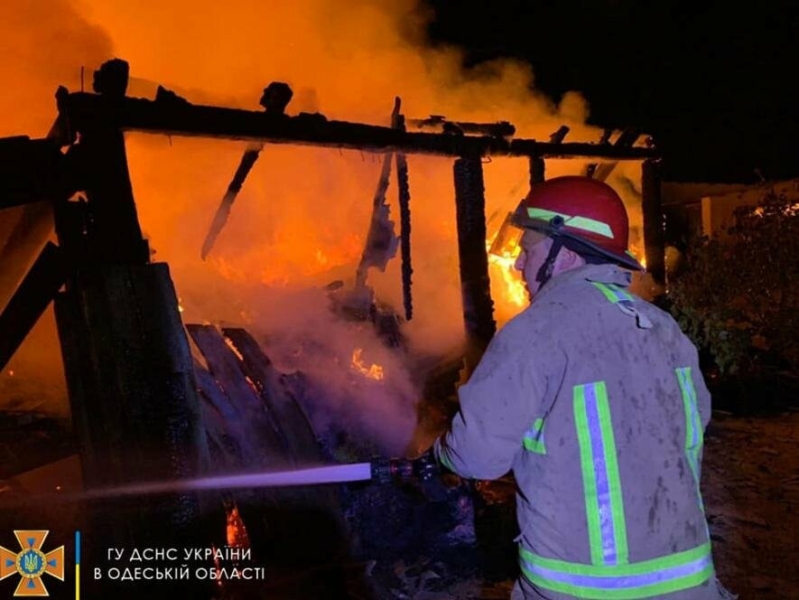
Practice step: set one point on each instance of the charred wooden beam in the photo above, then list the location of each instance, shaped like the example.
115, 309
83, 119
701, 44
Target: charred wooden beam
381, 242
274, 100
590, 170
301, 444
112, 78
113, 228
240, 373
404, 200
626, 139
228, 445
32, 297
651, 206
537, 165
442, 124
137, 114
226, 367
132, 390
223, 210
559, 135
537, 170
478, 308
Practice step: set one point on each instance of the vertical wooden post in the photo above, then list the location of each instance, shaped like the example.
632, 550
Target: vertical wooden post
126, 355
651, 206
478, 308
537, 170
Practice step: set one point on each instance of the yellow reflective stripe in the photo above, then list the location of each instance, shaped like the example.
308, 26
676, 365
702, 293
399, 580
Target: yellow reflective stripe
637, 568
607, 530
576, 222
694, 433
613, 292
534, 438
646, 579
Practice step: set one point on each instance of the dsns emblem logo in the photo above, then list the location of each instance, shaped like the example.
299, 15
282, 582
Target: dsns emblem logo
30, 563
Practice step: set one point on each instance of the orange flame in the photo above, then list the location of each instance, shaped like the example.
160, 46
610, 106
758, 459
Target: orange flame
237, 536
508, 290
302, 215
373, 371
639, 255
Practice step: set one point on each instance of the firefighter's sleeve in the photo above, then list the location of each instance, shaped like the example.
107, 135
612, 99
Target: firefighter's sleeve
703, 399
497, 406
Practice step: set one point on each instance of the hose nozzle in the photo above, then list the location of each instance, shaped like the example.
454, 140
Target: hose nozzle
423, 470
394, 470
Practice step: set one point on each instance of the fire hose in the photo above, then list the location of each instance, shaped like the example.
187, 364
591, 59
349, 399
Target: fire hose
424, 471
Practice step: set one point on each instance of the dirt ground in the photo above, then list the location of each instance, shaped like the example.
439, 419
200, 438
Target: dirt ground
751, 489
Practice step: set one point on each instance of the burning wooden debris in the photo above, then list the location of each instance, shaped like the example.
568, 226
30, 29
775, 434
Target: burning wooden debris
142, 405
254, 418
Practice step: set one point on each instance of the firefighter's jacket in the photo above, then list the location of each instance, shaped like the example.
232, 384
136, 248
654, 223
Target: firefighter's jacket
594, 399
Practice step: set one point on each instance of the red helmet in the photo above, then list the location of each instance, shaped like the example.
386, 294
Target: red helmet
582, 209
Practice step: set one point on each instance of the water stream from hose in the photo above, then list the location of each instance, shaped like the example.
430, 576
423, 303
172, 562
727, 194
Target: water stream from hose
294, 477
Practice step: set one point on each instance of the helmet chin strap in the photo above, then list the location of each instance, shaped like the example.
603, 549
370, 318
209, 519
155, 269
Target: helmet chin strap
545, 272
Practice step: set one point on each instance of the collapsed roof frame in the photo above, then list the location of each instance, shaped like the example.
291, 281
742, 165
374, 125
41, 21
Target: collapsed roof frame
127, 360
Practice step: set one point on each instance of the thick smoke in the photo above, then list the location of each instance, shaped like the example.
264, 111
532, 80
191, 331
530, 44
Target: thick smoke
301, 219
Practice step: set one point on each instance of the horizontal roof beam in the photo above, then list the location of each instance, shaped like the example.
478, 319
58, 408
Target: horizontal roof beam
181, 118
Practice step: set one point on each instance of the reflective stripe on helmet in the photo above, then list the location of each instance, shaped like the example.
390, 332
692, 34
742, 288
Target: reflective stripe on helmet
584, 223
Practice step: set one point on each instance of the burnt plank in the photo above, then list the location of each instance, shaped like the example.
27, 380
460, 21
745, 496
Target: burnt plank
216, 396
226, 451
296, 428
302, 442
223, 422
225, 367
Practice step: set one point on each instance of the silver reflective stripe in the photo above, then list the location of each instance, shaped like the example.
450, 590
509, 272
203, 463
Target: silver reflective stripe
604, 505
645, 579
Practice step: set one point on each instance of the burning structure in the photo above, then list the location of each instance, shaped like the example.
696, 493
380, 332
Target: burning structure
142, 401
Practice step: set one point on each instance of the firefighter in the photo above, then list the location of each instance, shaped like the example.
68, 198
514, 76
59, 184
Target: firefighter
593, 398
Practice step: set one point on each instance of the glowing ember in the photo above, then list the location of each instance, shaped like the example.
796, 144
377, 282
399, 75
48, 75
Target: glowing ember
236, 532
372, 371
235, 351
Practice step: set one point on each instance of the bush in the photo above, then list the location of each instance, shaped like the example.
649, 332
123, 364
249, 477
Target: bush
738, 296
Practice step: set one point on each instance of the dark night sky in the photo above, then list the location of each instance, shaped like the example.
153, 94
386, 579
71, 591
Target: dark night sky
713, 83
